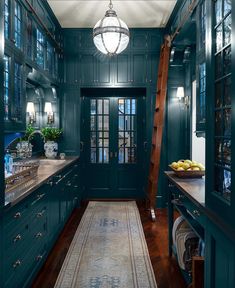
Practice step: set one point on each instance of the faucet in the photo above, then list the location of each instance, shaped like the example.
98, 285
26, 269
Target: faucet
37, 132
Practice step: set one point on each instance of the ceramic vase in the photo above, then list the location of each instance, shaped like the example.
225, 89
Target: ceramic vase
24, 149
51, 149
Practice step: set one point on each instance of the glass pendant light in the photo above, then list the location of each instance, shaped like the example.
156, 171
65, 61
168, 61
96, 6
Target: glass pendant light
110, 34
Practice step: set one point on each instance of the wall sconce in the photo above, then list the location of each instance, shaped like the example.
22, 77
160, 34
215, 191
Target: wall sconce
181, 96
31, 110
50, 114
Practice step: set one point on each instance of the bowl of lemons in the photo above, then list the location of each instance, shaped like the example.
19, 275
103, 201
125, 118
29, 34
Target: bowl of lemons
188, 168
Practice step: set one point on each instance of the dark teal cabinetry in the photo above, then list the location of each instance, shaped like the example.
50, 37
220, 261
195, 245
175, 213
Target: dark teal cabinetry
31, 227
25, 234
220, 196
220, 258
188, 198
29, 46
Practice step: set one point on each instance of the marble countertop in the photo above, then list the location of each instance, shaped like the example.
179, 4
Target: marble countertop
46, 170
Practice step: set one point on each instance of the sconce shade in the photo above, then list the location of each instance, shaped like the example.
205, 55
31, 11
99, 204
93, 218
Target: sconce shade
48, 108
180, 92
30, 108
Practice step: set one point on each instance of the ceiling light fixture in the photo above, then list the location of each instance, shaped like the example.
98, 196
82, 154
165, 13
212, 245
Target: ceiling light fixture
110, 34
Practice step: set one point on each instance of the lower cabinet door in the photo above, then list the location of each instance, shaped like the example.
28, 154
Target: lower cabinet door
220, 259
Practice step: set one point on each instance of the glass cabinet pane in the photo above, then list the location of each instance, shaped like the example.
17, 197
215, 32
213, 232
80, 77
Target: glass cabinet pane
7, 18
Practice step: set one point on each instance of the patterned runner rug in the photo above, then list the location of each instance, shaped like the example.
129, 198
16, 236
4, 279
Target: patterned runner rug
108, 250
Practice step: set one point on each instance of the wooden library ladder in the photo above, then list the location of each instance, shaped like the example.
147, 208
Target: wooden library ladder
158, 124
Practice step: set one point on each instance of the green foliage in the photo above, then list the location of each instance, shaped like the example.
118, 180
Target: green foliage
51, 134
29, 130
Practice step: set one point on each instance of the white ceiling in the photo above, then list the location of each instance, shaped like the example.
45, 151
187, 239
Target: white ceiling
136, 13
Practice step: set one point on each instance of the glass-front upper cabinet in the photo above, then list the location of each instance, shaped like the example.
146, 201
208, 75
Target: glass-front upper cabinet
201, 69
220, 104
14, 99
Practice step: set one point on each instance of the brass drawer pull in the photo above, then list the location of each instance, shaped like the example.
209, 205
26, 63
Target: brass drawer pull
17, 238
196, 213
16, 264
17, 215
40, 196
40, 214
38, 235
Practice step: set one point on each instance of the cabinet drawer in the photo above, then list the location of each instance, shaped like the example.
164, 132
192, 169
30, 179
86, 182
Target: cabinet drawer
16, 216
16, 239
194, 211
38, 199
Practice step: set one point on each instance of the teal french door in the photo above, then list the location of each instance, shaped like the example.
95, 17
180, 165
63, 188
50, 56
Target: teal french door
113, 151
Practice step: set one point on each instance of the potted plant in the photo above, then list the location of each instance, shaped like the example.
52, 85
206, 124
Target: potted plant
24, 147
51, 136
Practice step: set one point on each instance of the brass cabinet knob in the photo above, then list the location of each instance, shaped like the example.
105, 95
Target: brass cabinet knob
17, 215
39, 257
17, 238
196, 213
17, 263
38, 235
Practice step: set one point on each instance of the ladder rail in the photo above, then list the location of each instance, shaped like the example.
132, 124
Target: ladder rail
158, 126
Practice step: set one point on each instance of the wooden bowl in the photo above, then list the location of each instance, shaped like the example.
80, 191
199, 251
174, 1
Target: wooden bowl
188, 174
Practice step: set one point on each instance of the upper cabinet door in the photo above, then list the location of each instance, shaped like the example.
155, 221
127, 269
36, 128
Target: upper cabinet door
139, 69
220, 195
123, 69
87, 69
201, 69
14, 95
103, 70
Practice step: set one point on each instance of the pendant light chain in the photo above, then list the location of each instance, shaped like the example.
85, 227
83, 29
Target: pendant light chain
110, 5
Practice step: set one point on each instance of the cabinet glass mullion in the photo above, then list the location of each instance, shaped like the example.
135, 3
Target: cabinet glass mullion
222, 109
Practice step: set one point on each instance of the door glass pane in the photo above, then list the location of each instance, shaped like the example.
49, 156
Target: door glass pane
127, 131
106, 122
93, 123
100, 105
99, 130
93, 106
106, 106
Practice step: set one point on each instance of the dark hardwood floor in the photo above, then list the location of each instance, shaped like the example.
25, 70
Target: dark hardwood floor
165, 268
